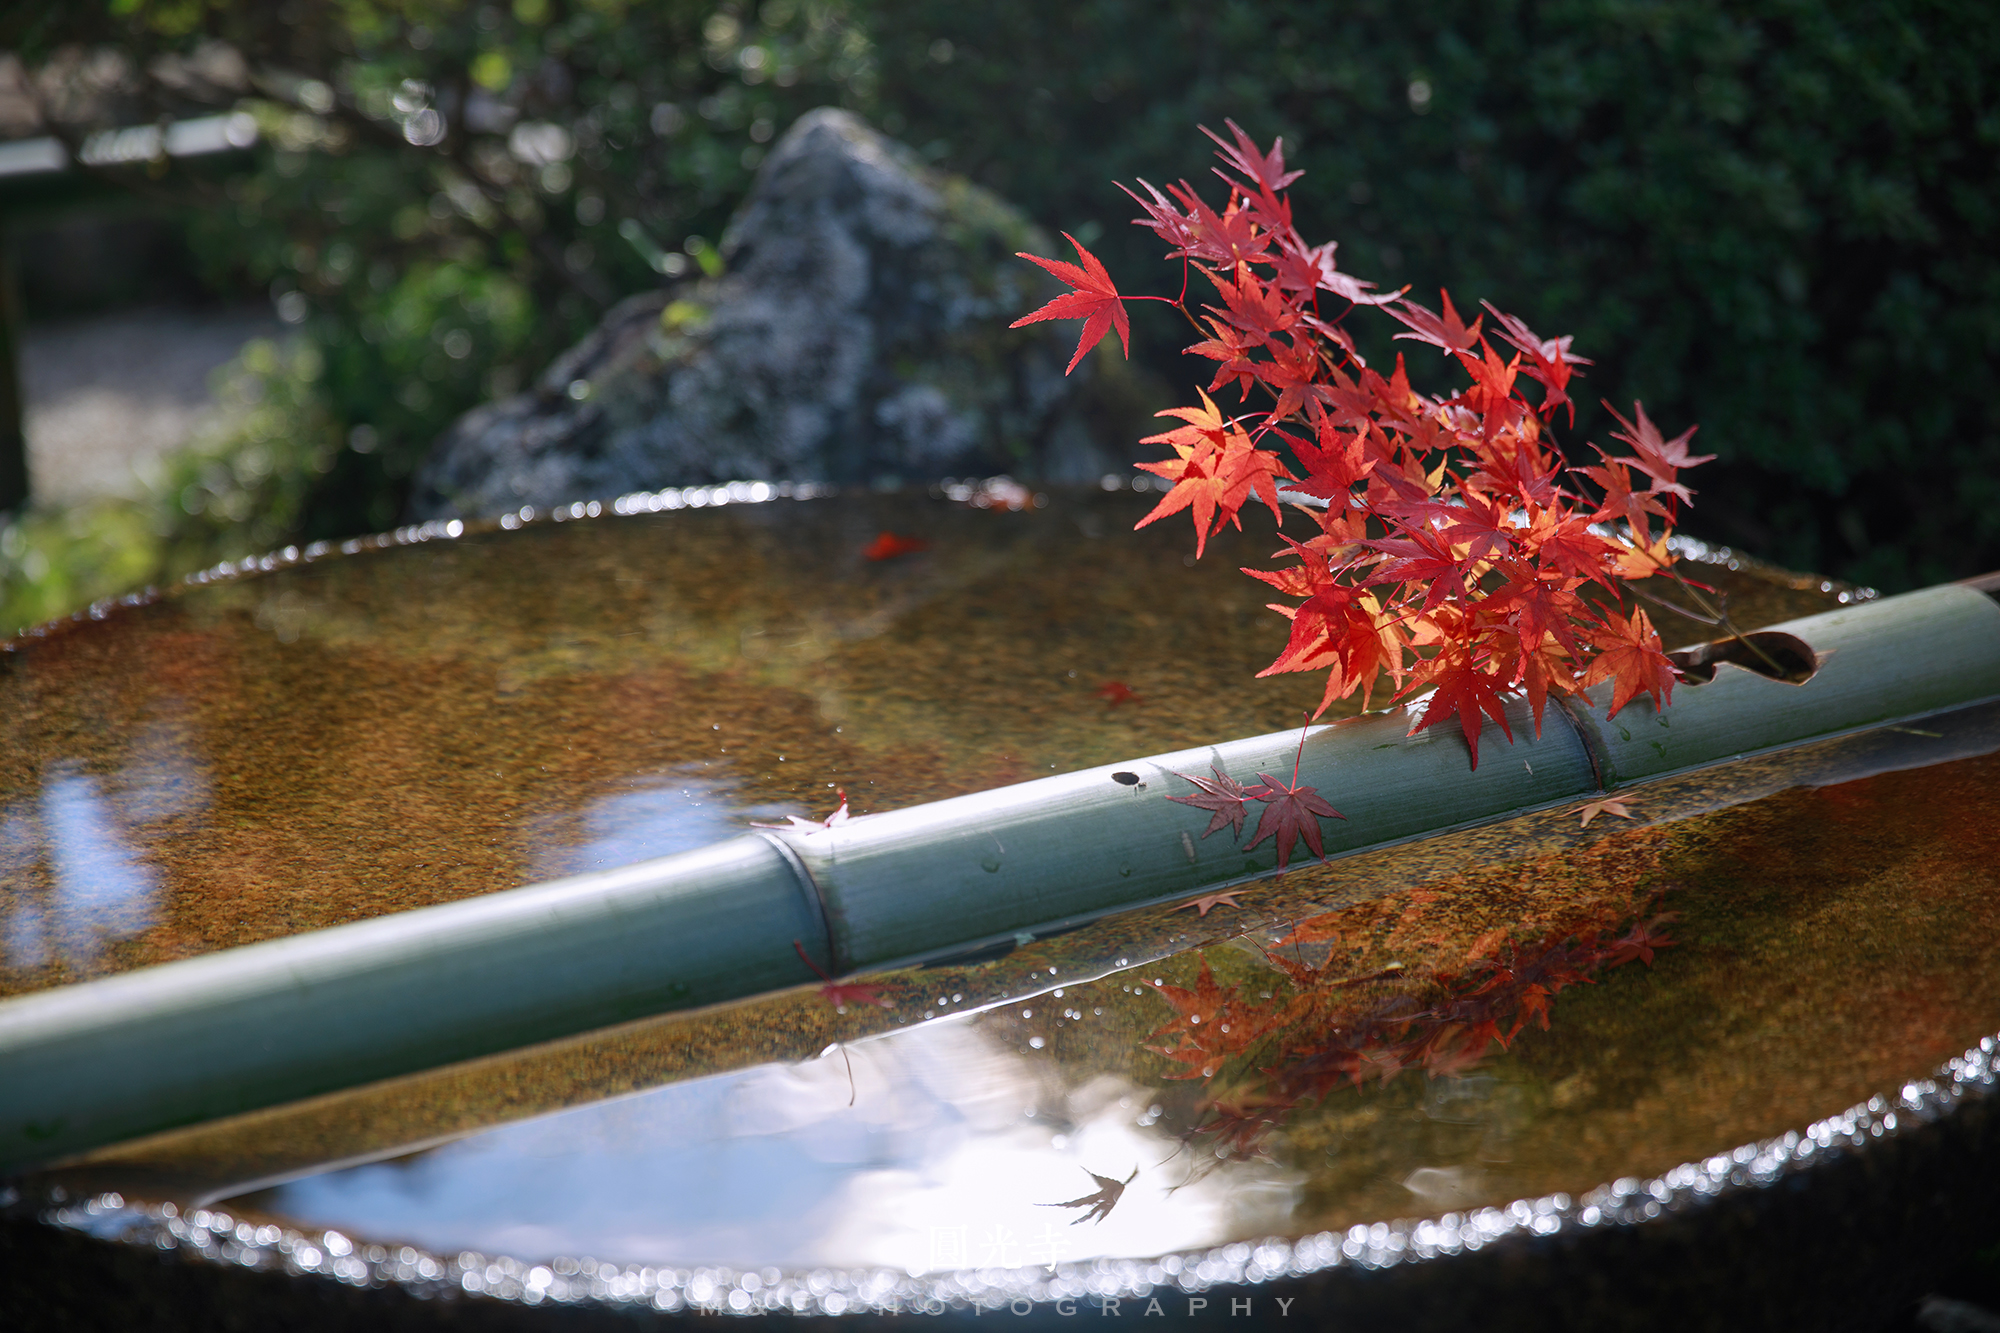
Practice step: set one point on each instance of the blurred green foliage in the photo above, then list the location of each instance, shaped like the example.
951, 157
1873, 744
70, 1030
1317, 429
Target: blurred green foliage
1778, 218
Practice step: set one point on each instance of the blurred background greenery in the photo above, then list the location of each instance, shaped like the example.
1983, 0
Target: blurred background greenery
1777, 218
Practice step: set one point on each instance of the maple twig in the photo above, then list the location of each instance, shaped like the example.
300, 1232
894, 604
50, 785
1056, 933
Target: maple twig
1720, 616
1675, 607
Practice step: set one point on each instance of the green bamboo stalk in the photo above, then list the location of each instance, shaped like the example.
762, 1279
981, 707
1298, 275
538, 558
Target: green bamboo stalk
98, 1062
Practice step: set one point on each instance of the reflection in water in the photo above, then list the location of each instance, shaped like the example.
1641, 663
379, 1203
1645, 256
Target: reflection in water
680, 811
949, 1158
97, 887
1264, 1058
73, 871
25, 937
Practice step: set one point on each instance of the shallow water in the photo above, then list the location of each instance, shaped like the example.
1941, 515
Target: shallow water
407, 726
387, 730
1806, 951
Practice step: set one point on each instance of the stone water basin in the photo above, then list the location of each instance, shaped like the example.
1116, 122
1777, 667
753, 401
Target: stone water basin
1725, 983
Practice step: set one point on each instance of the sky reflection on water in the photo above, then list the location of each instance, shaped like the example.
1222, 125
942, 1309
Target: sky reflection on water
73, 856
655, 815
951, 1156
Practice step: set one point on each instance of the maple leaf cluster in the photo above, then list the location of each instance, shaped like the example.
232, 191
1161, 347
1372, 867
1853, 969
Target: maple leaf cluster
1449, 545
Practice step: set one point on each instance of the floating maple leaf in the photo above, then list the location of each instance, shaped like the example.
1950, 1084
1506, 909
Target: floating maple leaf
1222, 796
1095, 301
1609, 805
1100, 1204
834, 820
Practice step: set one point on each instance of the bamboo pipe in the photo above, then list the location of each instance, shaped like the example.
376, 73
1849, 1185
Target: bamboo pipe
176, 1044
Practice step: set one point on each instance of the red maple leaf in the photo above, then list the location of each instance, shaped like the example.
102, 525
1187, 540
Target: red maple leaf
1290, 812
1658, 457
1464, 691
1549, 359
1448, 332
1222, 797
1265, 170
889, 545
1454, 535
1095, 301
1215, 476
1621, 501
1338, 629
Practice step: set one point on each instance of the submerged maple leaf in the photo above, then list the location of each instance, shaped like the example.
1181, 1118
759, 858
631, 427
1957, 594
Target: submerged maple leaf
1208, 900
889, 545
1223, 797
840, 994
1640, 942
1095, 301
1100, 1204
1115, 692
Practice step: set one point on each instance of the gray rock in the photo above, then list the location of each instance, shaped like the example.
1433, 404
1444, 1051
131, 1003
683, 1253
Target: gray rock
858, 336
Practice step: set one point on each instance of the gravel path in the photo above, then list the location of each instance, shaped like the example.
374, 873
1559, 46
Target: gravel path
107, 395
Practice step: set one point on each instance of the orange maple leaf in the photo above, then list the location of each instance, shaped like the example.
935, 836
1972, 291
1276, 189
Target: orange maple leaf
1609, 805
1629, 654
1217, 470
